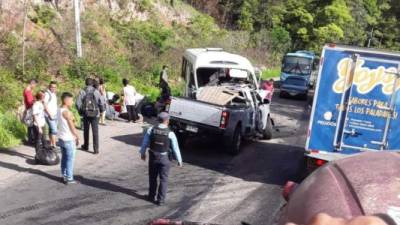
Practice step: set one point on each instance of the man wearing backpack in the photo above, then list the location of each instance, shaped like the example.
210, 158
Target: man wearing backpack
90, 104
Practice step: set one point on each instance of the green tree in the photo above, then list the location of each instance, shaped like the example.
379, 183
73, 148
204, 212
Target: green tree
247, 12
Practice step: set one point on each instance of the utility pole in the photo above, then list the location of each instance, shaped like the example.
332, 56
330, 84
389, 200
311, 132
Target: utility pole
78, 28
26, 5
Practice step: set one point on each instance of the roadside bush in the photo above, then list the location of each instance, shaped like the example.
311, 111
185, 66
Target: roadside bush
12, 131
44, 15
136, 32
9, 49
80, 68
144, 5
10, 90
271, 73
36, 65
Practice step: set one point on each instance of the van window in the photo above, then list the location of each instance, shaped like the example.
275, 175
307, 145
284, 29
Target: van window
217, 76
209, 76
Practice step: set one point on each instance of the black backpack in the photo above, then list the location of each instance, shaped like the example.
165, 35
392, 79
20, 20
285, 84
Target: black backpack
90, 106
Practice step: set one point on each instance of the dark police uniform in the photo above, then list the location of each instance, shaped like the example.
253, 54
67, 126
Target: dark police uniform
159, 162
163, 144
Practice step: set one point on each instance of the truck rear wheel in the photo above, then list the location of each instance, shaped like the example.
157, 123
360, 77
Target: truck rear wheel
182, 139
267, 133
235, 142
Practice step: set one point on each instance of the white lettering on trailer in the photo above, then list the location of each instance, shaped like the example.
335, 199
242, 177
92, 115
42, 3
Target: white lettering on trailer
364, 78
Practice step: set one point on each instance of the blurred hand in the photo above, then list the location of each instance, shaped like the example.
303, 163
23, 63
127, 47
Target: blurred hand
324, 219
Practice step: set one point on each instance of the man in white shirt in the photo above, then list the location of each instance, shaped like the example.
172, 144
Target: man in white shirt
50, 104
130, 101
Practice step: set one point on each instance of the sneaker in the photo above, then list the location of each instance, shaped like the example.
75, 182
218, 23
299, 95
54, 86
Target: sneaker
150, 199
64, 180
84, 148
160, 203
56, 149
68, 182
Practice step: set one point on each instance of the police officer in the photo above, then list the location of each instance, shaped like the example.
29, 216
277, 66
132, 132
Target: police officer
160, 139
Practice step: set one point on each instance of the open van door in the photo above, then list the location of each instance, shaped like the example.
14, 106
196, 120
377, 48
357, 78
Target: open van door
188, 76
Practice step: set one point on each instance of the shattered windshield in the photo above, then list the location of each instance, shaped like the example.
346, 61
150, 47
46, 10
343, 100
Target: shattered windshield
297, 65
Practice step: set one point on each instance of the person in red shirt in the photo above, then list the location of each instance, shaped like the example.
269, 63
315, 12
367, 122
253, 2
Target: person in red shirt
269, 87
28, 94
28, 101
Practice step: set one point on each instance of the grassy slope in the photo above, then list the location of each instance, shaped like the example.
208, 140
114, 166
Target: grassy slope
113, 49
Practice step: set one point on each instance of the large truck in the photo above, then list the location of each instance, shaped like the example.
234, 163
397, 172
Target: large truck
356, 105
300, 64
221, 99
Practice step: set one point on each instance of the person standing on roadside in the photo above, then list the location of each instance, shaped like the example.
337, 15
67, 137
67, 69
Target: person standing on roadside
268, 86
68, 137
90, 105
103, 93
28, 101
164, 77
160, 139
130, 101
39, 121
50, 106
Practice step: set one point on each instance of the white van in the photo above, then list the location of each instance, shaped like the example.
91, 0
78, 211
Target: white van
221, 98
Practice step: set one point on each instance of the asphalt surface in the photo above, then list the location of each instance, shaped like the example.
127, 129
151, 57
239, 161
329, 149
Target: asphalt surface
211, 187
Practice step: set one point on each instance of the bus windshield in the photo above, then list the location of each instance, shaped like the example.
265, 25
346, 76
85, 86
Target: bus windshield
297, 65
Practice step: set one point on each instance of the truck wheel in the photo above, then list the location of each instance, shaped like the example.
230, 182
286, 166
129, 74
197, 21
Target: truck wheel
182, 140
236, 141
267, 133
304, 97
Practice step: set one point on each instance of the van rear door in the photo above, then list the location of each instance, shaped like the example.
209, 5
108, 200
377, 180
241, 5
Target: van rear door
368, 103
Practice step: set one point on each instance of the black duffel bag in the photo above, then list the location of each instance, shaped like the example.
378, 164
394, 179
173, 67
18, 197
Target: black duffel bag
47, 156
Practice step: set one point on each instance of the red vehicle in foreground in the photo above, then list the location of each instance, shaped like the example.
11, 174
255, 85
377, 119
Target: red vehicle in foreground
361, 185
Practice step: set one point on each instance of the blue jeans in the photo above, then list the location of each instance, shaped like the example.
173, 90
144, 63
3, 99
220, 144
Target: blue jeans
52, 126
68, 150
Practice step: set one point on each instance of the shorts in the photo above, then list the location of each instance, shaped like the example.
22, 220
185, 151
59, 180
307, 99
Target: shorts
52, 124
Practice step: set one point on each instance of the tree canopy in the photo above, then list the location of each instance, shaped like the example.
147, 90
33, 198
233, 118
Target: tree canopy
312, 23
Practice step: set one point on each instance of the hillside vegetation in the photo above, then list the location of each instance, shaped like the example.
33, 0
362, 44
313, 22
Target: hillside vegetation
309, 24
121, 39
134, 38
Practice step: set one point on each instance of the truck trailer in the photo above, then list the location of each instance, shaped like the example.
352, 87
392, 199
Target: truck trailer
356, 104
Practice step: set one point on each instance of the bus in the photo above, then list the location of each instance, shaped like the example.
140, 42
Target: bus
302, 64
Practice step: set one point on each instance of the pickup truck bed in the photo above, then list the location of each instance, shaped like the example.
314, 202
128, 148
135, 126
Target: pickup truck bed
200, 113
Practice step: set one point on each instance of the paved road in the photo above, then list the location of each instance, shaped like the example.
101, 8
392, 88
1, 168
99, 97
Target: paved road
212, 186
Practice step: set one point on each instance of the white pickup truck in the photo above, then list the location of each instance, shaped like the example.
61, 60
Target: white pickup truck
221, 98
